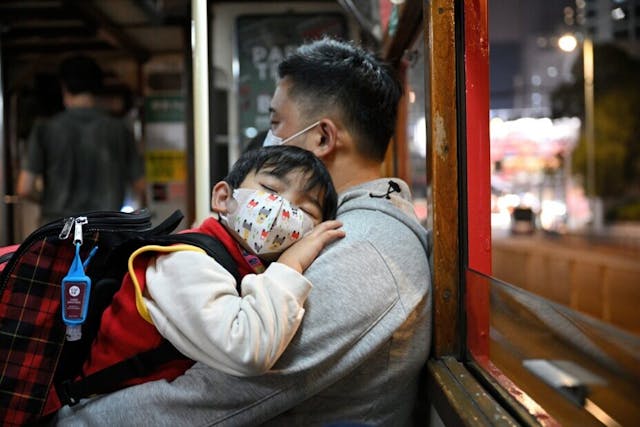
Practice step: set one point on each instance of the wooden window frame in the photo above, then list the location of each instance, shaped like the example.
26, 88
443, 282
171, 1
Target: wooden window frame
461, 383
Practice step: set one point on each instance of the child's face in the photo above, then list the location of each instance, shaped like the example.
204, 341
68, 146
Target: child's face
289, 186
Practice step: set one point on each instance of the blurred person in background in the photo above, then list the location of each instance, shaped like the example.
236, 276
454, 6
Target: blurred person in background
86, 158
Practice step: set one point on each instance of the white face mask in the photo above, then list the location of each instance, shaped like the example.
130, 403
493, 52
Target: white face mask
265, 223
271, 139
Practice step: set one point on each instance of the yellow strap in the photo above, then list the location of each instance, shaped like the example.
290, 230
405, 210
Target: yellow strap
140, 305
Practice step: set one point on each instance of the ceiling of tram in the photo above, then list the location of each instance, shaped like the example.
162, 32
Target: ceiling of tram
136, 28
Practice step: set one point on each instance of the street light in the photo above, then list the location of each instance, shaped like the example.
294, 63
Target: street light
568, 43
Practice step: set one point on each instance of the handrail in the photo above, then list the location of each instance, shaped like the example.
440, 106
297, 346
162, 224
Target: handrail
199, 48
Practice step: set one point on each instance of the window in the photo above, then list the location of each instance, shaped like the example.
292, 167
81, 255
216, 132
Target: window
547, 321
417, 131
584, 237
563, 297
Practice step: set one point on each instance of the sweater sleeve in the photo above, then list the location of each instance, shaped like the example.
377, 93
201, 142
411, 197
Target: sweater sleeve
193, 302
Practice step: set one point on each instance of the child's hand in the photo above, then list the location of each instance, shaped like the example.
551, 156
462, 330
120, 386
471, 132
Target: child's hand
301, 254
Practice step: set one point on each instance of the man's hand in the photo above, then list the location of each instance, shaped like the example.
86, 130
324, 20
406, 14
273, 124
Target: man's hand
301, 254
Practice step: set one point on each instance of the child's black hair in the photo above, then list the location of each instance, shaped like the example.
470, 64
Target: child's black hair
281, 160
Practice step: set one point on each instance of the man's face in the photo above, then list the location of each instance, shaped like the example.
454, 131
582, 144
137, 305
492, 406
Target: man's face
285, 117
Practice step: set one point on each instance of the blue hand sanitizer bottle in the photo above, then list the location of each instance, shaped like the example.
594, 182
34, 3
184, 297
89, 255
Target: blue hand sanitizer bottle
76, 288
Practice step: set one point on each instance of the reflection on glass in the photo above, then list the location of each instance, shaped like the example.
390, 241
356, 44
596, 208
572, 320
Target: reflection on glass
565, 201
417, 131
582, 371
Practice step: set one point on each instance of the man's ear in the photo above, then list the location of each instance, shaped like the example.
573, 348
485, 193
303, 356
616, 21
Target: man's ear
328, 140
221, 197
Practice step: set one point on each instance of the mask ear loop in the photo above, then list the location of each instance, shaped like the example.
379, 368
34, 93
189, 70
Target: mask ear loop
232, 202
311, 126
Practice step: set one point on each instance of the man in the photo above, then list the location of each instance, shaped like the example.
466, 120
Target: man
86, 158
367, 327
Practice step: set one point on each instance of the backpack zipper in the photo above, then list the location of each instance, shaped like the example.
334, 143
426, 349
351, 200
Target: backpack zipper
95, 220
66, 228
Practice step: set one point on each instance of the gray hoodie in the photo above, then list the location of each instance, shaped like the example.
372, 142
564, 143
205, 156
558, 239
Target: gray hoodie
356, 357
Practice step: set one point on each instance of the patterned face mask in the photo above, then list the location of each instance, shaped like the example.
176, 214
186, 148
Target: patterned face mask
265, 222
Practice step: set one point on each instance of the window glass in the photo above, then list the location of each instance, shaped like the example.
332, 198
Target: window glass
565, 207
565, 158
416, 104
377, 18
579, 369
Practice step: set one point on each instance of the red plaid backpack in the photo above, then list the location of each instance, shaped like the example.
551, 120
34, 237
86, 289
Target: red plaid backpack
34, 354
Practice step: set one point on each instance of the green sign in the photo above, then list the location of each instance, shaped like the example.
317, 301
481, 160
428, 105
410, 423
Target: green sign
162, 108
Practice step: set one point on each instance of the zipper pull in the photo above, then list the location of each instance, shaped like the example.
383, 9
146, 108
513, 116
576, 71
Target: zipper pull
77, 232
66, 228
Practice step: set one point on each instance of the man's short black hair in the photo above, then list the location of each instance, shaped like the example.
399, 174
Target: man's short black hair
282, 159
80, 74
327, 73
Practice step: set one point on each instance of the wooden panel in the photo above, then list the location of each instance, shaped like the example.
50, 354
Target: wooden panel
460, 399
548, 276
535, 272
441, 131
590, 280
586, 292
558, 275
620, 285
508, 265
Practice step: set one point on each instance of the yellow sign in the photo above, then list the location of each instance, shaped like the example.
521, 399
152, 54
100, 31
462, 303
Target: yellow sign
165, 166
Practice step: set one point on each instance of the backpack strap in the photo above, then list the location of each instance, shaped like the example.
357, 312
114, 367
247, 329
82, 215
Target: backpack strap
168, 225
140, 365
70, 392
117, 261
213, 247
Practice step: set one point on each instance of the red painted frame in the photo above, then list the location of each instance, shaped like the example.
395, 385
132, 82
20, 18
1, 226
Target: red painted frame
476, 66
477, 304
